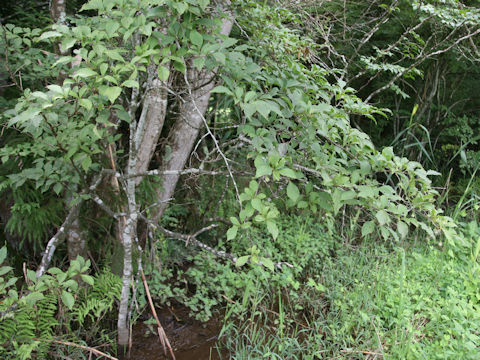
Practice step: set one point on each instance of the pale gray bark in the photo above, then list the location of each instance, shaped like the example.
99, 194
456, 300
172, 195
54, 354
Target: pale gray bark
62, 232
143, 140
56, 240
187, 128
58, 10
128, 234
151, 123
76, 239
76, 242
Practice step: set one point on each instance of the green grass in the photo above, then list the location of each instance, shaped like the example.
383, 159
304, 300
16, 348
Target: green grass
411, 302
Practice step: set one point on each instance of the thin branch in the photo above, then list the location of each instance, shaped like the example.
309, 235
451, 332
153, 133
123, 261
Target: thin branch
171, 172
86, 348
191, 239
60, 235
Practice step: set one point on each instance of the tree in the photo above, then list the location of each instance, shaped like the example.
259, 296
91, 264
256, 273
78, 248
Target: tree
146, 68
419, 59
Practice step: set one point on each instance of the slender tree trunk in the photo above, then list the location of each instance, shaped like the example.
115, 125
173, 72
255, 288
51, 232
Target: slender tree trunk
129, 229
143, 140
58, 12
76, 243
152, 120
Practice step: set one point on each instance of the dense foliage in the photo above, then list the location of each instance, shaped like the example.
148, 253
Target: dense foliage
267, 138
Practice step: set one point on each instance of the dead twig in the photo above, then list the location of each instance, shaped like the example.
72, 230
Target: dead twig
161, 332
83, 347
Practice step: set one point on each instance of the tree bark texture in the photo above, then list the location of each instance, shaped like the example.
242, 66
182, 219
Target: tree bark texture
152, 120
187, 127
58, 10
76, 242
129, 234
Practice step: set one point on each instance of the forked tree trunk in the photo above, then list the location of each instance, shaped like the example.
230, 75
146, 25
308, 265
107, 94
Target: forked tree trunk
143, 140
187, 128
154, 111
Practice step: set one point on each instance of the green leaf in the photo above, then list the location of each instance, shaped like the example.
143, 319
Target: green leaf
257, 204
86, 103
3, 254
382, 217
220, 57
68, 43
179, 66
348, 195
180, 7
114, 55
130, 84
221, 90
84, 73
249, 110
368, 228
263, 170
249, 96
32, 276
242, 260
49, 34
232, 232
71, 284
103, 68
123, 115
196, 38
86, 163
268, 264
163, 73
33, 297
55, 89
292, 192
402, 229
111, 92
5, 269
58, 187
199, 63
288, 173
88, 279
68, 299
272, 229
54, 271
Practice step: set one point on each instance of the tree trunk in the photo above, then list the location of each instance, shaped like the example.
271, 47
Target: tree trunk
76, 243
128, 237
58, 12
187, 128
152, 120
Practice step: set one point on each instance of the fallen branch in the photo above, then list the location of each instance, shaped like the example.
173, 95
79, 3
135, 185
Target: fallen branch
161, 332
86, 348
